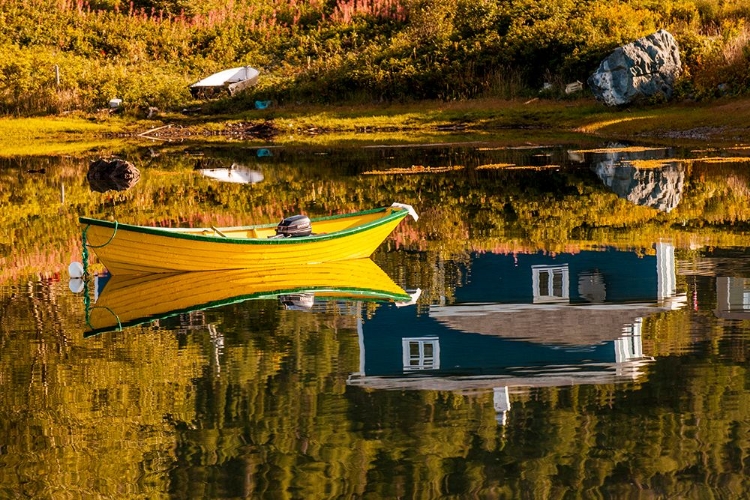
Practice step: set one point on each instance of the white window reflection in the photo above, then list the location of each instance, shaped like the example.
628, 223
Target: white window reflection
733, 298
421, 353
629, 347
550, 283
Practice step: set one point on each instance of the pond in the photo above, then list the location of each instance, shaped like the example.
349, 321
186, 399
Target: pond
565, 322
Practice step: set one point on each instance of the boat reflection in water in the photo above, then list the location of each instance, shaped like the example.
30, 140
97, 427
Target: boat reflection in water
127, 300
524, 321
237, 174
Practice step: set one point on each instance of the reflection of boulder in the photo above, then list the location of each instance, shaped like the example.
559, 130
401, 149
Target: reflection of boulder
659, 188
647, 67
112, 175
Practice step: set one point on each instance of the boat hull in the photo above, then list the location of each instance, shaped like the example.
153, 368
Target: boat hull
125, 249
128, 300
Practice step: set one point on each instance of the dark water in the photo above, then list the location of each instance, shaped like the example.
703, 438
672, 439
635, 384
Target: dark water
579, 329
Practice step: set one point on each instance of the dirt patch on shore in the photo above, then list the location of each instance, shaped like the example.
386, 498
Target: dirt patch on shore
697, 133
260, 130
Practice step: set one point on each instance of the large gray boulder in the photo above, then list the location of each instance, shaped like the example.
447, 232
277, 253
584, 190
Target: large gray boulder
645, 68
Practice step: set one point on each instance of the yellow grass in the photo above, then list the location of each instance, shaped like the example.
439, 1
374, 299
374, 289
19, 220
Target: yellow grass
628, 149
495, 166
598, 126
646, 164
57, 135
414, 169
37, 127
533, 167
491, 123
724, 159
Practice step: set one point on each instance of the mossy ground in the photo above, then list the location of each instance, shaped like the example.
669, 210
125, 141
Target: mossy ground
721, 123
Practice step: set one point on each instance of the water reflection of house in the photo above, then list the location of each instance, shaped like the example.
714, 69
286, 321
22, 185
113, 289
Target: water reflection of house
524, 321
732, 298
729, 269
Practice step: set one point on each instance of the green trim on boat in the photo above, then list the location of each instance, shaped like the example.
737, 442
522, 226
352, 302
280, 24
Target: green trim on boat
398, 213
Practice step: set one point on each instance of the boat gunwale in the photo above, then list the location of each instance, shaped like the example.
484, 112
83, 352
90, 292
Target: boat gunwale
398, 212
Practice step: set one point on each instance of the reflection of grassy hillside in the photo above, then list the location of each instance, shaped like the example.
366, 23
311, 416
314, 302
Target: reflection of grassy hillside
488, 210
148, 411
86, 399
274, 403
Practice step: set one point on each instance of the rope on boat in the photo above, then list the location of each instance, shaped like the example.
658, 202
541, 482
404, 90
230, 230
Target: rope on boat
117, 318
107, 242
84, 252
86, 298
85, 259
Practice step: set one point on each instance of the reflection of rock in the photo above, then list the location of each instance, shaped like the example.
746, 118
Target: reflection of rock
591, 287
647, 67
112, 175
659, 188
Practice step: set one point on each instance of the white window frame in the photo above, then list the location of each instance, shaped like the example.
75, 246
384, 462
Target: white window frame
745, 295
629, 347
548, 295
423, 362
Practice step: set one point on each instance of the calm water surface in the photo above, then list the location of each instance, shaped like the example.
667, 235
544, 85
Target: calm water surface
578, 327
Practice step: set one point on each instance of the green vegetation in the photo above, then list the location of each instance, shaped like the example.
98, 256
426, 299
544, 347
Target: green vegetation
146, 52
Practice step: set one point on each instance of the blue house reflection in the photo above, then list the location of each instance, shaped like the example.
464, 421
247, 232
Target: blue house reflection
524, 321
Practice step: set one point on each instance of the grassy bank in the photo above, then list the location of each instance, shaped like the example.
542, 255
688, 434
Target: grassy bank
61, 135
720, 123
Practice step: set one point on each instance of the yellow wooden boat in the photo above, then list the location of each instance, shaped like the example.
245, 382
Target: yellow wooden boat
129, 300
128, 249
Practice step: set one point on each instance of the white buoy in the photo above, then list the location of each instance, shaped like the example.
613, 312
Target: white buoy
75, 285
75, 270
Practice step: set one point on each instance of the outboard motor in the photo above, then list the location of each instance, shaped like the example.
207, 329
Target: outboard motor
296, 225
